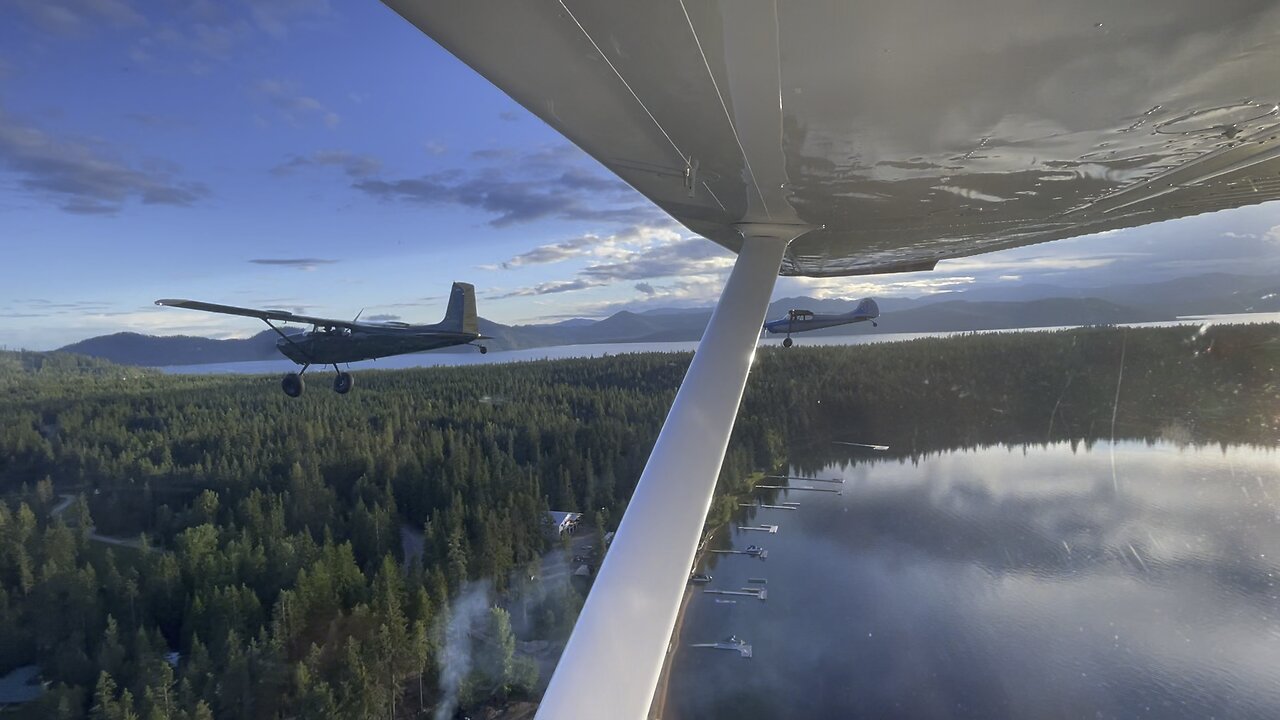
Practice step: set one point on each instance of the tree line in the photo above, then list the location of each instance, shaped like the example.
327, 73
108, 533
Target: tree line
264, 534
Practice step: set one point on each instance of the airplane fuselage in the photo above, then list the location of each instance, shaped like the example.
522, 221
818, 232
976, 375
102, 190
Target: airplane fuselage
329, 347
818, 322
797, 321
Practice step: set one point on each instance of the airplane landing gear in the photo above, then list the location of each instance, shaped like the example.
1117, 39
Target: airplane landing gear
343, 383
483, 350
787, 342
292, 385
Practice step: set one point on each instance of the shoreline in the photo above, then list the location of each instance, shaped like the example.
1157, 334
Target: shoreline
658, 706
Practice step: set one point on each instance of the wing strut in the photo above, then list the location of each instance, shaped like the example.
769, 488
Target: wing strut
611, 664
289, 339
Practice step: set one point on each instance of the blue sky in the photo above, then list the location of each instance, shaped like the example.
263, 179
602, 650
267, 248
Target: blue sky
329, 157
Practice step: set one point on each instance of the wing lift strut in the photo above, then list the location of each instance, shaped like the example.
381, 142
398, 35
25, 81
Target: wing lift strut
289, 340
610, 668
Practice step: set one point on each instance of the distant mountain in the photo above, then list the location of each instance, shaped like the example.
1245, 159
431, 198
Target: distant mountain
1210, 293
987, 308
573, 322
134, 349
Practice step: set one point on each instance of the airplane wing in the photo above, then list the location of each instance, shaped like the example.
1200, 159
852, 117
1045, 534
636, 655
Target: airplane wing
902, 133
277, 315
846, 137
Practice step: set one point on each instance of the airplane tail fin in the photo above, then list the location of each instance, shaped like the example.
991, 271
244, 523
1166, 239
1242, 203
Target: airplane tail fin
461, 315
867, 310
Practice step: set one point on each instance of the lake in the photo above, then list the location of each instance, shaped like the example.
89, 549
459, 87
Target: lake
1121, 581
453, 357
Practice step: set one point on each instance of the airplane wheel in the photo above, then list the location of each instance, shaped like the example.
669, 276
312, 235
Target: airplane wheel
787, 342
483, 350
343, 383
292, 385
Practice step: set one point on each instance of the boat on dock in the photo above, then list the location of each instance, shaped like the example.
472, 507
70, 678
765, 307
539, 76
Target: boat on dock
699, 578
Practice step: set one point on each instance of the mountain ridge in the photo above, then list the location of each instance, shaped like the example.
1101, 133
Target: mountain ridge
978, 309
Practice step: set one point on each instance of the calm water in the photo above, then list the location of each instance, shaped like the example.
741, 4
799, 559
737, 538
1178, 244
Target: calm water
1005, 582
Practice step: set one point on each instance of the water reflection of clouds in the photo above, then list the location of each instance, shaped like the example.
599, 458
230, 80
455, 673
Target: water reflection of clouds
1175, 563
1056, 511
1012, 582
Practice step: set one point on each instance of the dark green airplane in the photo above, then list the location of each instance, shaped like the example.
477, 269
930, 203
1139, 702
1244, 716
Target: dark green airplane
330, 342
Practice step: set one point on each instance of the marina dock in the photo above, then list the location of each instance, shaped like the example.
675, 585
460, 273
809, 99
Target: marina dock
758, 593
838, 481
769, 507
762, 554
740, 647
869, 446
788, 487
771, 529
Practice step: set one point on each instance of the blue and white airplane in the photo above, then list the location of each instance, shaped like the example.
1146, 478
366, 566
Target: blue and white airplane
803, 320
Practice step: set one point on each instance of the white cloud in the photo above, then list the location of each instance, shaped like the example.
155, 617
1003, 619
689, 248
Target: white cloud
353, 164
618, 246
851, 288
82, 176
293, 105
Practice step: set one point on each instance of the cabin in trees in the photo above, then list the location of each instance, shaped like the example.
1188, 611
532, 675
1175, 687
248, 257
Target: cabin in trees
560, 523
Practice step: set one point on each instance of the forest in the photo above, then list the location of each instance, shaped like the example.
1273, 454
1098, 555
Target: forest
202, 546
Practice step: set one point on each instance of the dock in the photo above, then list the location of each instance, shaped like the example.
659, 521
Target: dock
742, 648
762, 554
869, 446
768, 507
788, 487
838, 481
771, 529
757, 593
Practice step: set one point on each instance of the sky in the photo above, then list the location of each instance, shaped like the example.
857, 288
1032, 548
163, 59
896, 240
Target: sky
328, 158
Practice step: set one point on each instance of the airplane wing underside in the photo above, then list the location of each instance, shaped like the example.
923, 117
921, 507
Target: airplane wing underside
277, 315
846, 137
904, 133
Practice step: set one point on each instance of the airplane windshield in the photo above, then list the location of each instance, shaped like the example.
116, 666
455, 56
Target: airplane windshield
348, 371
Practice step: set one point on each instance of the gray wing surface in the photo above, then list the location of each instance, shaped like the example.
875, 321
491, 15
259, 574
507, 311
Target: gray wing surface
277, 315
902, 133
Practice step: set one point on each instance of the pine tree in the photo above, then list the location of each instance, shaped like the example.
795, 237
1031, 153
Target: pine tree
105, 706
